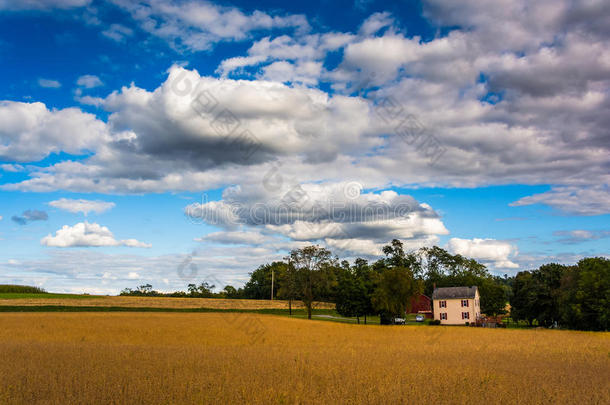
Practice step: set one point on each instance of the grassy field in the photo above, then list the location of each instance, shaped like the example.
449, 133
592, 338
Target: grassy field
20, 295
70, 300
167, 358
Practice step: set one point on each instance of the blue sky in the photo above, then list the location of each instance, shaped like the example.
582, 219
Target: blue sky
479, 128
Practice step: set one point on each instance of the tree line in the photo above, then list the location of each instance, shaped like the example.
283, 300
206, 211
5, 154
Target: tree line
575, 297
572, 296
384, 287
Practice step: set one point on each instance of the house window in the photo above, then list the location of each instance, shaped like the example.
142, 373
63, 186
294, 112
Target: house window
443, 316
465, 315
464, 303
442, 304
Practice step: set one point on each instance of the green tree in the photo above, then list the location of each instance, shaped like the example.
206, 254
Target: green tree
369, 279
313, 268
523, 300
396, 282
287, 285
259, 285
230, 292
351, 295
548, 283
396, 256
393, 294
585, 297
496, 296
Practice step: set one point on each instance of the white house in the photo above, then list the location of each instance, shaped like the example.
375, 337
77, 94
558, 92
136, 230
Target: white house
456, 305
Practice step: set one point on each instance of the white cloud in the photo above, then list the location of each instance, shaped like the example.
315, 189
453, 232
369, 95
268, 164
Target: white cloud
547, 124
133, 275
89, 81
376, 22
307, 49
67, 270
81, 205
336, 214
12, 168
48, 83
306, 72
117, 32
580, 235
29, 131
594, 200
85, 234
234, 237
497, 252
197, 26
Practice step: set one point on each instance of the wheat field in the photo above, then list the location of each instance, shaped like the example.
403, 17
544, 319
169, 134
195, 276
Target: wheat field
226, 358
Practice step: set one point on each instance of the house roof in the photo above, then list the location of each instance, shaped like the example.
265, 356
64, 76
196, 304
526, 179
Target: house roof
454, 292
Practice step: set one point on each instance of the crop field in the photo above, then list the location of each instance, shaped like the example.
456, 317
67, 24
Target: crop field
167, 358
146, 302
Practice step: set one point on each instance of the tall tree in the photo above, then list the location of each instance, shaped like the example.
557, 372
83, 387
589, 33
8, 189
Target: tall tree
396, 282
259, 285
351, 297
585, 297
369, 279
287, 285
314, 274
548, 283
523, 300
393, 294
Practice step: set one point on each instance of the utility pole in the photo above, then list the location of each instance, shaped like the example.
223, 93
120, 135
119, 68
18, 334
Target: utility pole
272, 282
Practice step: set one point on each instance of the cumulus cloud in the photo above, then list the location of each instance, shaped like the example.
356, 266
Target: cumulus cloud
30, 216
525, 101
30, 131
594, 200
85, 234
89, 81
339, 215
192, 131
48, 83
81, 205
496, 252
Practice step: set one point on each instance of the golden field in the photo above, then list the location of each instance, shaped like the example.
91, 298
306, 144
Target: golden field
225, 358
158, 302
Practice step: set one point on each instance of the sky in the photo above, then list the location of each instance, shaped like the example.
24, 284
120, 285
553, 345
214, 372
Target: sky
172, 142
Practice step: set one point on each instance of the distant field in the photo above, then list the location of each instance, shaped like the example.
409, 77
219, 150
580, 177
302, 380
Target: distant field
13, 296
144, 302
224, 358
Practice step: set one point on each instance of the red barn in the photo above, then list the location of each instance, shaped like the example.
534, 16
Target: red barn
421, 304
